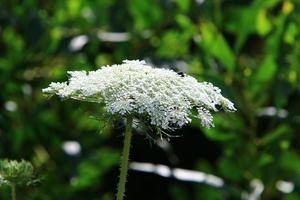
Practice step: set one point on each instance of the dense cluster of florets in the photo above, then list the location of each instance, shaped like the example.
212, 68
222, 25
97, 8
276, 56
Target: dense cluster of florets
15, 172
136, 88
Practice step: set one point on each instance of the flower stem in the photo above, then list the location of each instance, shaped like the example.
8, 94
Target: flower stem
13, 191
125, 158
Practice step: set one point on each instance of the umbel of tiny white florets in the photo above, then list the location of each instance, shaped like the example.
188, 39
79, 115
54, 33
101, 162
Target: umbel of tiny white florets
136, 88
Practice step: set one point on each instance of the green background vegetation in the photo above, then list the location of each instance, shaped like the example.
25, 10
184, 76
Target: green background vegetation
250, 49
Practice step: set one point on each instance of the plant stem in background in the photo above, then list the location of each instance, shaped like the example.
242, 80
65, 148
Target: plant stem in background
125, 158
13, 191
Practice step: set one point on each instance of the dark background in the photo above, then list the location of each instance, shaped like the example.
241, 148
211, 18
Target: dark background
250, 49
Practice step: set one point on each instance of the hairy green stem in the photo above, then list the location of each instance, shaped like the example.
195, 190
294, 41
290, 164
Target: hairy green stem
13, 191
125, 158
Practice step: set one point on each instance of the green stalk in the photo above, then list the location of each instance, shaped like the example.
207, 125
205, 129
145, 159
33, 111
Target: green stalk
125, 158
13, 191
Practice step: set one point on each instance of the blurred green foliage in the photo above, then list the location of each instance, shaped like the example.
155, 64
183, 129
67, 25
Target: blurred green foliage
250, 49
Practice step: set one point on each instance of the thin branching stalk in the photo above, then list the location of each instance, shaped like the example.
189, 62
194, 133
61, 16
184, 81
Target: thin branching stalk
125, 158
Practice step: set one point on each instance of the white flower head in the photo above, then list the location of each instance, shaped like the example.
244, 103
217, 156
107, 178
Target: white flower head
135, 88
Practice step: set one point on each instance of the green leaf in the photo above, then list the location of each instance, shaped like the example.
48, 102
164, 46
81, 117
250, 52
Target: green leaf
208, 192
217, 135
275, 134
14, 44
230, 170
145, 14
266, 70
214, 43
291, 33
290, 161
263, 25
73, 7
265, 159
183, 5
170, 43
91, 171
185, 23
242, 20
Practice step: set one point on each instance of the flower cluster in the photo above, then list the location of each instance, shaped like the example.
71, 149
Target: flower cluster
136, 88
15, 172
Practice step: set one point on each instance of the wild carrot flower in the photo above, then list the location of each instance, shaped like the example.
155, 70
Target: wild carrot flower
12, 171
135, 88
15, 173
